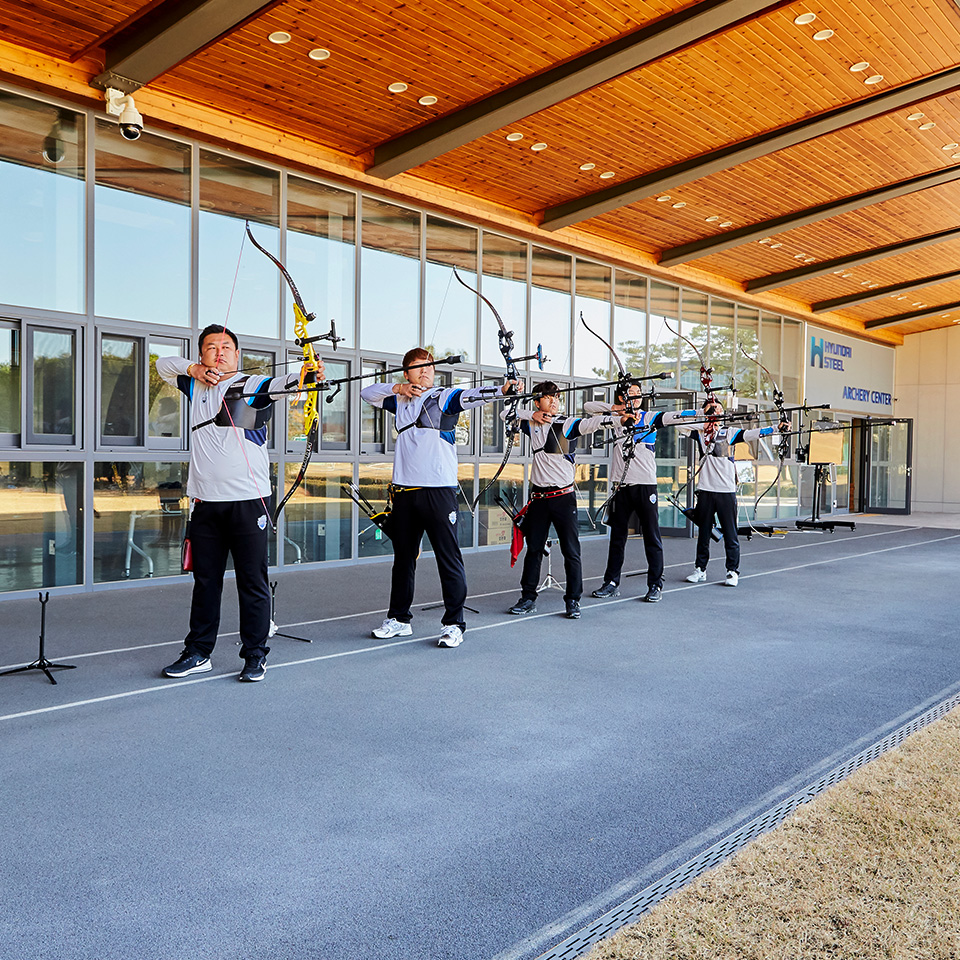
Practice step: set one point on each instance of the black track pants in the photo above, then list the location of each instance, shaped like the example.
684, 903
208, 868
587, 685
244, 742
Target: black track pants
724, 507
216, 530
642, 498
562, 513
430, 510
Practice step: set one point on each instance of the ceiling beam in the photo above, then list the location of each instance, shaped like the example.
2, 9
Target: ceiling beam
791, 221
866, 296
167, 35
787, 277
666, 178
666, 36
909, 317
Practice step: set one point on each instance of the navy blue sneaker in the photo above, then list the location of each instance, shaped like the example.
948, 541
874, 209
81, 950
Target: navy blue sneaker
254, 669
187, 664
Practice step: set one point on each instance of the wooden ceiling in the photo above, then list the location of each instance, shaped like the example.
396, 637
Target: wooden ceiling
744, 150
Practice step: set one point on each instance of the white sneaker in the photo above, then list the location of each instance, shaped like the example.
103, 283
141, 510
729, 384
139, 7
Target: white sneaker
392, 628
698, 576
452, 636
732, 578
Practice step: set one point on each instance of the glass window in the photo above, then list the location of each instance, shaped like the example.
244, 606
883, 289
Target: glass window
243, 294
120, 376
769, 354
321, 255
335, 409
663, 352
465, 505
54, 393
591, 357
696, 329
630, 321
723, 346
494, 523
550, 289
140, 515
504, 284
792, 359
261, 363
748, 335
143, 189
41, 528
590, 480
450, 309
9, 383
372, 422
373, 483
317, 518
389, 277
42, 199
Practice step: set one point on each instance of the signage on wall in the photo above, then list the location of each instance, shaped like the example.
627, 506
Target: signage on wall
851, 375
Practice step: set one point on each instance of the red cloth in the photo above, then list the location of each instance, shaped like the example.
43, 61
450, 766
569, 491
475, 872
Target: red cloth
516, 544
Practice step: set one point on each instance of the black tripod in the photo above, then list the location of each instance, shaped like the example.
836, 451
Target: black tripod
273, 617
42, 663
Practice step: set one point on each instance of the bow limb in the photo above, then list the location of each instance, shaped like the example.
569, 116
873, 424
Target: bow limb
706, 373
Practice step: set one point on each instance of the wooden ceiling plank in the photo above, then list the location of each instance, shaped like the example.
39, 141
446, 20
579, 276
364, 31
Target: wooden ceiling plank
628, 53
787, 277
856, 298
909, 317
695, 168
732, 238
180, 29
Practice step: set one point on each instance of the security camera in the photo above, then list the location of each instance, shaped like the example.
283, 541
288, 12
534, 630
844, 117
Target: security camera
121, 105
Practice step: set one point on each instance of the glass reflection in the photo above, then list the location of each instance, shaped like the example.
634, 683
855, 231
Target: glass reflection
41, 529
317, 519
769, 354
550, 290
9, 381
321, 254
792, 359
119, 389
493, 520
238, 285
143, 189
748, 334
590, 481
723, 346
450, 310
261, 363
695, 329
389, 277
42, 198
54, 384
504, 284
591, 357
630, 321
663, 351
373, 483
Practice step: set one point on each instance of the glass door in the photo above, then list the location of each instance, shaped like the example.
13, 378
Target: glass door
888, 466
674, 452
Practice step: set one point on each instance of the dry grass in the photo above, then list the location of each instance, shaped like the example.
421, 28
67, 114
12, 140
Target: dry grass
870, 869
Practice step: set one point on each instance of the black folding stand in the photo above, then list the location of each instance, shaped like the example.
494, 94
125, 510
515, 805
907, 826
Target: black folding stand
815, 523
273, 616
42, 663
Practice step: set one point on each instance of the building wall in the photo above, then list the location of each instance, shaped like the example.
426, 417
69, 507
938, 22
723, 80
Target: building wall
928, 390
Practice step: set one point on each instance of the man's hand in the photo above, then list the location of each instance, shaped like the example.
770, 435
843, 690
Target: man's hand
408, 390
538, 416
316, 368
508, 386
208, 375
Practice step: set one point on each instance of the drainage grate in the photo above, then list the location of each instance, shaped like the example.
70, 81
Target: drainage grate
631, 910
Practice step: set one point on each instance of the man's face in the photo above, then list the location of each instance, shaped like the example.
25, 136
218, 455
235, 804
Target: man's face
218, 350
549, 403
421, 376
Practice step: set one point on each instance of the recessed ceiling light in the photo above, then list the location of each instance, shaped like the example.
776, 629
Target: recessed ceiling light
864, 283
823, 35
804, 19
715, 219
727, 223
873, 286
319, 54
587, 166
764, 240
955, 156
915, 116
944, 314
926, 126
427, 101
678, 205
901, 298
876, 78
664, 198
397, 87
859, 67
950, 146
607, 175
810, 260
537, 147
280, 36
846, 276
514, 137
775, 246
918, 304
799, 256
837, 272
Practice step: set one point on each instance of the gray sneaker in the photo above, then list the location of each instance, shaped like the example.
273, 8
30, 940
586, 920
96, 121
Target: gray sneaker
187, 664
609, 589
523, 606
653, 594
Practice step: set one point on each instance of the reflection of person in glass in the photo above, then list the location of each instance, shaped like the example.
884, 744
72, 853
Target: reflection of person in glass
424, 489
167, 421
553, 499
635, 480
228, 487
717, 487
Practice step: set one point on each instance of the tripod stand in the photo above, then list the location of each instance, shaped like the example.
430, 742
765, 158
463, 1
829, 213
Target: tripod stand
273, 617
550, 582
42, 663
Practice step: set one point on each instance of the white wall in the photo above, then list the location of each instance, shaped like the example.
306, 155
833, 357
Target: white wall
928, 390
